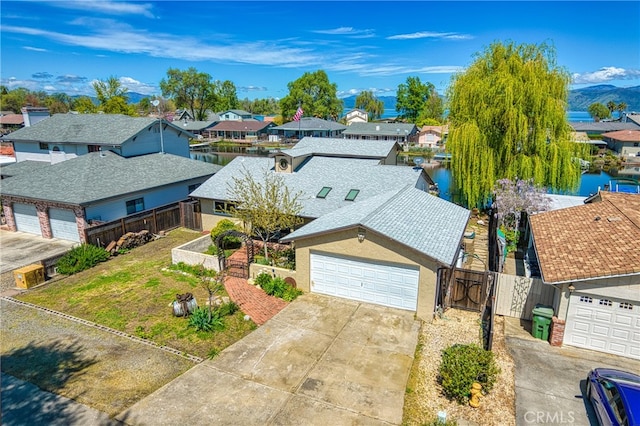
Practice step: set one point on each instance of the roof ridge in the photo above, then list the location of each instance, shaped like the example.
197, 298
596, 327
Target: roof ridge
630, 219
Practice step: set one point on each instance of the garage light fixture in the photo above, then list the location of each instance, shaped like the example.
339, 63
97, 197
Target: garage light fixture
571, 288
362, 233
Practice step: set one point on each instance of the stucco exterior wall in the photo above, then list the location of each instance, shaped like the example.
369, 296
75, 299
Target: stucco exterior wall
624, 288
374, 248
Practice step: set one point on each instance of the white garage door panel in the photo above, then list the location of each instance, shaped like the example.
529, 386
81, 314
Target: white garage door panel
63, 224
607, 325
387, 285
26, 218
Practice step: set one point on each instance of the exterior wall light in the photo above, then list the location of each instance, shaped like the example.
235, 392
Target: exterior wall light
571, 288
362, 233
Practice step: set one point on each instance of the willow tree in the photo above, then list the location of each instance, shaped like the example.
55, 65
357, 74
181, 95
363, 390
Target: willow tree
507, 115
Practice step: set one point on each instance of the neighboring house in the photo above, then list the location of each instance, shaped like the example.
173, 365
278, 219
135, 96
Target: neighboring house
624, 142
61, 200
399, 132
308, 126
591, 255
242, 130
65, 136
600, 127
202, 129
387, 249
11, 122
235, 115
356, 116
328, 173
34, 115
431, 136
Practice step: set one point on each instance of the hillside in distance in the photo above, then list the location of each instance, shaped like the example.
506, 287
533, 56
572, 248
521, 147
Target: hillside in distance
579, 99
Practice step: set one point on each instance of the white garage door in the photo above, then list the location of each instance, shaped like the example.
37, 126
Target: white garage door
63, 224
26, 218
394, 286
601, 324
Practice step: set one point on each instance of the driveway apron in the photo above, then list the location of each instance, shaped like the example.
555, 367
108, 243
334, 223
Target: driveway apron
321, 360
550, 381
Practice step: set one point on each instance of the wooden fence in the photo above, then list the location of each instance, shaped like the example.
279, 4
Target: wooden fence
467, 289
517, 296
159, 219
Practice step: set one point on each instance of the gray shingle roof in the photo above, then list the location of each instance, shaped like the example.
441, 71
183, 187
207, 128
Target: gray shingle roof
381, 129
311, 123
97, 129
92, 177
603, 126
341, 147
341, 174
424, 222
22, 167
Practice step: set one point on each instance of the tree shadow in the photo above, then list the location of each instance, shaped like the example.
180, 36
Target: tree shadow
31, 375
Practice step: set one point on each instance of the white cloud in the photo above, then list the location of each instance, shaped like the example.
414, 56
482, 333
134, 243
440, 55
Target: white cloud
605, 74
430, 34
108, 7
34, 49
134, 85
348, 31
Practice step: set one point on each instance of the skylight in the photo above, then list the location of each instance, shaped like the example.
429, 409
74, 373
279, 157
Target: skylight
324, 192
353, 193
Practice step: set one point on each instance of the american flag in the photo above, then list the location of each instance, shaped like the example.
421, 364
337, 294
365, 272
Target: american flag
298, 114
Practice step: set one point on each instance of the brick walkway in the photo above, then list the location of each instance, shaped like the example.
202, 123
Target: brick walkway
252, 300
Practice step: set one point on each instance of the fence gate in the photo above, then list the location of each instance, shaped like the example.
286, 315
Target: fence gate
190, 216
468, 289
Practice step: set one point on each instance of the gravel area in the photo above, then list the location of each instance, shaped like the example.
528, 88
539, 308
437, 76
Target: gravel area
425, 398
103, 370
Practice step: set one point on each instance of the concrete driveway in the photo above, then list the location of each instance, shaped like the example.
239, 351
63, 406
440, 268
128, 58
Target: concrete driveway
321, 360
21, 249
550, 381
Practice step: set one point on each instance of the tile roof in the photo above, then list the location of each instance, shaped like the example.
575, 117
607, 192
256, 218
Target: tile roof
417, 219
341, 147
594, 240
13, 119
381, 129
311, 123
341, 174
93, 177
97, 129
623, 135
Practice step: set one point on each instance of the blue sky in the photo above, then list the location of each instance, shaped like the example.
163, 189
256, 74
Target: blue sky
64, 46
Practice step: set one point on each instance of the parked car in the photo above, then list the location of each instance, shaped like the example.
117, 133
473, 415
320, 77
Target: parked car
615, 396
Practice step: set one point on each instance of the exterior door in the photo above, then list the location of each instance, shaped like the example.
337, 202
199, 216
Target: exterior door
26, 218
395, 286
603, 324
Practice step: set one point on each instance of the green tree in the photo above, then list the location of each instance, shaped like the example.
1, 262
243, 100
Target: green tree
227, 98
507, 119
598, 111
58, 103
266, 205
190, 89
432, 111
84, 105
368, 102
412, 97
113, 97
315, 94
268, 106
611, 106
13, 100
621, 107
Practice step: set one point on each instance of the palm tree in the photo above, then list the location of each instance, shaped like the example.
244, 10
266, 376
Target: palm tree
621, 107
611, 106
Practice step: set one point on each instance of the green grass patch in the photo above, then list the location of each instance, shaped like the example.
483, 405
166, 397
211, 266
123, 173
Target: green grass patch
133, 294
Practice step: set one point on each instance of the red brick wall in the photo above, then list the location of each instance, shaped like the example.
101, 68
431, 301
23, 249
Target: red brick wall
8, 216
556, 334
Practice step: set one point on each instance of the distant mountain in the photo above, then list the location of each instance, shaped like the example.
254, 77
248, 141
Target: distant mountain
580, 99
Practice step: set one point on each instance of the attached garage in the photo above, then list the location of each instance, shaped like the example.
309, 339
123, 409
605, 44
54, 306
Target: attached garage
395, 286
63, 224
603, 324
26, 218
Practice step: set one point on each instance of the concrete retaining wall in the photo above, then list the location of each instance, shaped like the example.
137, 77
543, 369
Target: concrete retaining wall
192, 253
256, 269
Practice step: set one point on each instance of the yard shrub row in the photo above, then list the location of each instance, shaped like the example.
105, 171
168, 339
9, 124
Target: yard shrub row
277, 287
81, 257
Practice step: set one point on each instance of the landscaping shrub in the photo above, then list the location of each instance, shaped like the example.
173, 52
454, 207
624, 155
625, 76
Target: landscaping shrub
229, 241
81, 257
227, 309
200, 320
461, 366
277, 287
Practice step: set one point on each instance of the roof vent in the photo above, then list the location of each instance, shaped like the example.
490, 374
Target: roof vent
377, 128
597, 218
614, 219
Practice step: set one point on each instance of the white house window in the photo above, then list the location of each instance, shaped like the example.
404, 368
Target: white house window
93, 148
134, 206
44, 146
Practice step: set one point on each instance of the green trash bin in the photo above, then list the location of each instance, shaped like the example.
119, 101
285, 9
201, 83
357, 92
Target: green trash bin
541, 321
